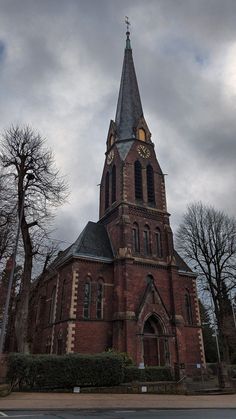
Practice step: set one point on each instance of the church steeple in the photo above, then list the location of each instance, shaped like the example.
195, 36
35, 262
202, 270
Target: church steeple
129, 108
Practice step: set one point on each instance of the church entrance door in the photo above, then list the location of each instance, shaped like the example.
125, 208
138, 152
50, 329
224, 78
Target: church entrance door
154, 343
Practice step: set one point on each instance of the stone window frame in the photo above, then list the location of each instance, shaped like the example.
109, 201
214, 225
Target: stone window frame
99, 299
52, 306
62, 299
138, 181
107, 190
150, 184
87, 298
158, 242
135, 238
113, 184
147, 240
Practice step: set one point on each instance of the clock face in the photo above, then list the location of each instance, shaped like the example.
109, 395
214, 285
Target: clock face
143, 151
110, 157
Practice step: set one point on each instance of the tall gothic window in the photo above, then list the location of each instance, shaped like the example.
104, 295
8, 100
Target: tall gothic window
138, 180
99, 308
150, 185
87, 299
188, 307
52, 305
135, 238
107, 190
62, 299
146, 240
113, 184
158, 243
59, 347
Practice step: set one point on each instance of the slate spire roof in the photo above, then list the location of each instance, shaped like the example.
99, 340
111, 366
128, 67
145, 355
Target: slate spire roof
129, 107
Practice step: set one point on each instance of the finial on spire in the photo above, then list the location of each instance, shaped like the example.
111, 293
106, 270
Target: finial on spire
127, 23
128, 45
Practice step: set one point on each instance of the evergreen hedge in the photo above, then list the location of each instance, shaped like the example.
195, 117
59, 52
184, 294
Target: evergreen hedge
148, 374
65, 371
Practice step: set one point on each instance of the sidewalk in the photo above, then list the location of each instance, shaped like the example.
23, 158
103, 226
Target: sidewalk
63, 401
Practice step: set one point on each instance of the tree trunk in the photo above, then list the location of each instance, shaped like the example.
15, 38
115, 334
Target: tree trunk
21, 320
224, 380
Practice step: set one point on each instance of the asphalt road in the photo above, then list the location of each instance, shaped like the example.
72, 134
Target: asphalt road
124, 414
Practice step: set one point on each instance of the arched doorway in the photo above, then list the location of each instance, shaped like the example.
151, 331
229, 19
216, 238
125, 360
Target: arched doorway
155, 344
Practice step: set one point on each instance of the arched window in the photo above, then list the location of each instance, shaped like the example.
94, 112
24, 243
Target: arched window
158, 243
113, 184
107, 190
111, 140
87, 299
99, 308
135, 238
150, 185
141, 134
59, 343
146, 240
52, 305
188, 307
138, 180
62, 299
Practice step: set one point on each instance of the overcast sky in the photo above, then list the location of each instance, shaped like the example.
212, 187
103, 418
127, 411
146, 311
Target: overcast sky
60, 69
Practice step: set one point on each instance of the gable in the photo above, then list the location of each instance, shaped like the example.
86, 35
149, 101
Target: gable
151, 300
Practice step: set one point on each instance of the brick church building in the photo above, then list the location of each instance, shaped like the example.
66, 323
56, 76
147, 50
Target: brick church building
121, 284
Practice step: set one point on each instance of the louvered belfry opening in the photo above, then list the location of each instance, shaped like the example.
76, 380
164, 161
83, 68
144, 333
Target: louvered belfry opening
113, 184
138, 181
107, 190
150, 185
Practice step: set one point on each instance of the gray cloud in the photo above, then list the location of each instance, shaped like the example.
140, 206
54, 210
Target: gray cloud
60, 68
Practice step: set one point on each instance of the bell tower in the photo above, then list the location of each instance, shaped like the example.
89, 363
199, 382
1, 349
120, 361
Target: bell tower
132, 191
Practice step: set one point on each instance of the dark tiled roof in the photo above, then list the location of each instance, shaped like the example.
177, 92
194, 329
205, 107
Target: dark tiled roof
93, 243
129, 107
182, 265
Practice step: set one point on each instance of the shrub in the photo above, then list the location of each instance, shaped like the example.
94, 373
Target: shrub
147, 374
126, 358
66, 371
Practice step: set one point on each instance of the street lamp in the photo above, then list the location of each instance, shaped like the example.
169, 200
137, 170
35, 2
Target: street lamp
29, 176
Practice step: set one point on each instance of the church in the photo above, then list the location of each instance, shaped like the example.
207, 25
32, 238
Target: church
121, 285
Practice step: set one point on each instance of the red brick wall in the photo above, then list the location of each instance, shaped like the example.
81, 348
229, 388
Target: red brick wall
125, 178
125, 309
93, 336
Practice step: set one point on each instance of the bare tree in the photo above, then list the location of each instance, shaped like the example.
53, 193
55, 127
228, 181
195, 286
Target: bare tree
207, 239
29, 169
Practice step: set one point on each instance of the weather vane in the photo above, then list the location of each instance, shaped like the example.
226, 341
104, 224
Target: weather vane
127, 23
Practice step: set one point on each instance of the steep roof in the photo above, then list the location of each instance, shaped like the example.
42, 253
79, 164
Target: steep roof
129, 107
182, 265
93, 243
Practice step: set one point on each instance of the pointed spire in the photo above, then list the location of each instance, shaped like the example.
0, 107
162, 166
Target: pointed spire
129, 107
